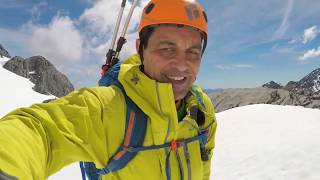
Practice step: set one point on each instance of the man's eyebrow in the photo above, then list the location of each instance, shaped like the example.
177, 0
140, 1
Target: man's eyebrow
166, 42
170, 43
196, 46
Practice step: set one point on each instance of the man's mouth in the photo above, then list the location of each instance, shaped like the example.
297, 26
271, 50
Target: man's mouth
176, 78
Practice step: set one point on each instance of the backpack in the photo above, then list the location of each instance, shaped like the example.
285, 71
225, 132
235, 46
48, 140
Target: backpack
135, 130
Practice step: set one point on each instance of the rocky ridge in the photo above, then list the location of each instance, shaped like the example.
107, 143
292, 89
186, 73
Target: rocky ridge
4, 52
47, 79
305, 92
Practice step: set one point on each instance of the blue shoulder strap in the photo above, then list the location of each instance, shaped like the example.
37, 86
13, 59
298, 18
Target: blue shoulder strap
136, 124
111, 77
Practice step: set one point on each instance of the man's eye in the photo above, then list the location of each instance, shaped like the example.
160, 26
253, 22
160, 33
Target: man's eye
168, 52
193, 54
194, 51
167, 49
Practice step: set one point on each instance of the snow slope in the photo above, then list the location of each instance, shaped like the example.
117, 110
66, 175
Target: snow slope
267, 142
256, 142
16, 91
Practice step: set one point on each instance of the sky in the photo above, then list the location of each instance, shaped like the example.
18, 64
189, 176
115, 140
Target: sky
250, 42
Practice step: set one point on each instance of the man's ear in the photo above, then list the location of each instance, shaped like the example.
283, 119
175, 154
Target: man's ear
137, 45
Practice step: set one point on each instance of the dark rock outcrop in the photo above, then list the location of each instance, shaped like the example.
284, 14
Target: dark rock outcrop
4, 52
272, 85
291, 85
231, 98
47, 79
310, 84
307, 86
305, 92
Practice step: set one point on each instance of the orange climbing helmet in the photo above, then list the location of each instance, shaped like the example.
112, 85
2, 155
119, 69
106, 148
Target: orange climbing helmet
180, 12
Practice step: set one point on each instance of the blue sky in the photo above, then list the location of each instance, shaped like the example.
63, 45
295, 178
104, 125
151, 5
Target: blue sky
250, 42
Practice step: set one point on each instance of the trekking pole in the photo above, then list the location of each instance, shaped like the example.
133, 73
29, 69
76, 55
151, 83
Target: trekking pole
112, 55
122, 40
111, 52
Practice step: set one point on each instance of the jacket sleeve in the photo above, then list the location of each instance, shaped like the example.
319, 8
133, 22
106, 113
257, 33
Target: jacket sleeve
211, 139
39, 140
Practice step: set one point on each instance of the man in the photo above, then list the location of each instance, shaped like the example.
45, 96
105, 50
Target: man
89, 124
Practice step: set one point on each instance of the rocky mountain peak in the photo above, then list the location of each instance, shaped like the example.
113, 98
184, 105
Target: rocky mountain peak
310, 84
4, 52
47, 79
272, 85
290, 85
305, 92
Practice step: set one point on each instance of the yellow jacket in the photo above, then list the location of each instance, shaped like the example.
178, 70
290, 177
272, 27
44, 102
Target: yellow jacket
89, 125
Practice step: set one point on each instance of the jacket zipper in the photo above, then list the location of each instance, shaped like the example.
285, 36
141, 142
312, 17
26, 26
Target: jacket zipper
169, 121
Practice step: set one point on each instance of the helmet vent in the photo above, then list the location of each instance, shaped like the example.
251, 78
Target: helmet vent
149, 8
192, 12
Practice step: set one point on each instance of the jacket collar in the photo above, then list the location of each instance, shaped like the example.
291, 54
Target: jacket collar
154, 98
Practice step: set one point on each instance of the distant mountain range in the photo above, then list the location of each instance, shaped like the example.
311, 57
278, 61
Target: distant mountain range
308, 85
305, 92
209, 91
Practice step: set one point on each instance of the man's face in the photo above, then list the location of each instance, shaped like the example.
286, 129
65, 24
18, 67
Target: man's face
173, 56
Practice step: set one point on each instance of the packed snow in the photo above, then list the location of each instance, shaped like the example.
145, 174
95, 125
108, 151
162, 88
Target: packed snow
16, 91
3, 60
267, 142
256, 142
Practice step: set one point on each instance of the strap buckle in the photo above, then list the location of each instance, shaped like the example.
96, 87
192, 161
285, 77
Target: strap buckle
175, 144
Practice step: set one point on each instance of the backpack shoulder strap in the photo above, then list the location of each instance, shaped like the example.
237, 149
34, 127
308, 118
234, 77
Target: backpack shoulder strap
136, 125
111, 77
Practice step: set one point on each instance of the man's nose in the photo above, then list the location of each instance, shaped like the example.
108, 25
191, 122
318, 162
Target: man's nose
180, 61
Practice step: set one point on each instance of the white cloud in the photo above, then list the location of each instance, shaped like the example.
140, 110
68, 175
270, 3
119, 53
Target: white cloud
87, 1
100, 21
128, 49
101, 18
37, 9
249, 66
284, 49
310, 34
294, 41
13, 37
60, 41
224, 67
285, 21
315, 52
11, 4
235, 66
